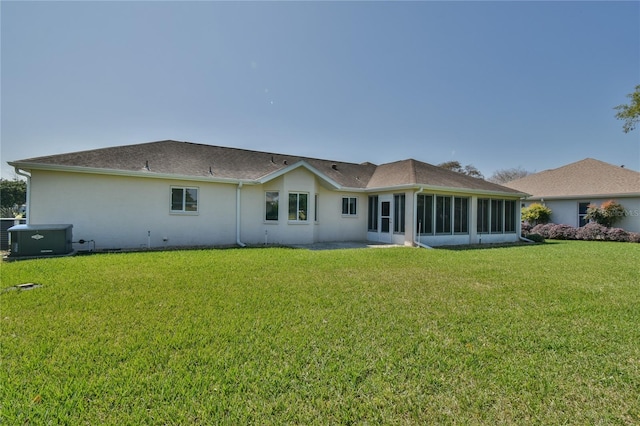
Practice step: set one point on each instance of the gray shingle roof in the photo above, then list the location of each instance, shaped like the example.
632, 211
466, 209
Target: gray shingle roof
186, 159
586, 177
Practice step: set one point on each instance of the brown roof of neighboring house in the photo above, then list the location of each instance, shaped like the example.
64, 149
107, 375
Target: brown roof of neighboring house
586, 177
186, 159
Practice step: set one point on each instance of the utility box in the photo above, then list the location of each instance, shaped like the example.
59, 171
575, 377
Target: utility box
40, 240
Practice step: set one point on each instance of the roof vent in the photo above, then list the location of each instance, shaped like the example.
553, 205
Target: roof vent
210, 171
146, 165
285, 162
334, 166
272, 160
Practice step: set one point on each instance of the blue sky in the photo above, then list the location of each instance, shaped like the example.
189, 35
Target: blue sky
493, 84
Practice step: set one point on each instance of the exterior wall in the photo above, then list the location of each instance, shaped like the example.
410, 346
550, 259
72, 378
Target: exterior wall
330, 226
120, 212
566, 211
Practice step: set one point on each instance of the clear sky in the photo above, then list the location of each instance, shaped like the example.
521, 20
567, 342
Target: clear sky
492, 84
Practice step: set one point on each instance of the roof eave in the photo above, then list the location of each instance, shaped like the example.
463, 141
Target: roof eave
449, 189
584, 196
271, 176
125, 173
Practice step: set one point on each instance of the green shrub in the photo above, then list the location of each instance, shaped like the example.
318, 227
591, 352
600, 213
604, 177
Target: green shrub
536, 213
536, 238
607, 214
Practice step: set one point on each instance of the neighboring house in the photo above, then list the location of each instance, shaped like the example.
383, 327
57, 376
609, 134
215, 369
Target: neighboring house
171, 193
568, 190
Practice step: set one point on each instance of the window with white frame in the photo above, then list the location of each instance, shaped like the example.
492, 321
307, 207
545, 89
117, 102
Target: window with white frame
184, 199
298, 206
349, 206
272, 200
582, 213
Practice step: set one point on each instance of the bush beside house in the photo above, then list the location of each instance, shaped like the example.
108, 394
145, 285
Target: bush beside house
590, 232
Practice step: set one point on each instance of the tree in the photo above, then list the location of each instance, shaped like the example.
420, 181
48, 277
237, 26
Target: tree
468, 170
630, 113
507, 175
12, 192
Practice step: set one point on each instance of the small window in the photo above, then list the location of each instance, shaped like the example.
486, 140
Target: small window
349, 205
272, 199
298, 206
184, 200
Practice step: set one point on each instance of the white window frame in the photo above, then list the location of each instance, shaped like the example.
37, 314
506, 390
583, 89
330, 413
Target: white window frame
349, 212
265, 207
184, 209
298, 210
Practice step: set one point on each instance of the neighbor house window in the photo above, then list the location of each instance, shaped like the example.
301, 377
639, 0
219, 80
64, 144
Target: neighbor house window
398, 213
184, 200
443, 215
460, 215
372, 224
424, 219
298, 206
272, 199
349, 206
510, 220
582, 213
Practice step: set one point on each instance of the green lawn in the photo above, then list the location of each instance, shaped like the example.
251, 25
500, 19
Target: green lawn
546, 334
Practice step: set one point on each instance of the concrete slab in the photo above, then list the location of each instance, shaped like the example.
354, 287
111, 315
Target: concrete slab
343, 245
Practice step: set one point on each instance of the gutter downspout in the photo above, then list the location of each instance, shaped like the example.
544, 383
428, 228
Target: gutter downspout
238, 242
415, 210
28, 198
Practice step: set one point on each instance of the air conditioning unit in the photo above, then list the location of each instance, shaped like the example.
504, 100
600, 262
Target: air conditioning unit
40, 240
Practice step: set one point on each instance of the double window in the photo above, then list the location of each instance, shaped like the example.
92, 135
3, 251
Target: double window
184, 199
349, 206
582, 213
298, 206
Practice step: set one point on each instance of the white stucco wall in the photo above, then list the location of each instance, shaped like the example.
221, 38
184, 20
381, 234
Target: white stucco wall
566, 211
119, 212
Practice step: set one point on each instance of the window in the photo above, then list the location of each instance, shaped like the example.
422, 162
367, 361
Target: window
460, 215
582, 212
315, 207
424, 217
298, 205
483, 215
510, 220
497, 216
272, 199
349, 206
398, 213
372, 224
443, 215
184, 200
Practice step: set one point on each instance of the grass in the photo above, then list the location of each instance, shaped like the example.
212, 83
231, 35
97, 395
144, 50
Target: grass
543, 334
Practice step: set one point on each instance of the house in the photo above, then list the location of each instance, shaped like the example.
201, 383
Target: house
568, 190
171, 193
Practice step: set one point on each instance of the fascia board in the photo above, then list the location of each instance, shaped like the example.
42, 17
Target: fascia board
583, 196
447, 189
125, 173
304, 164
